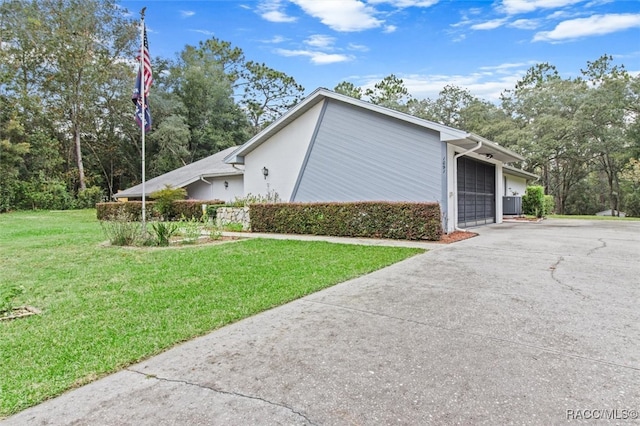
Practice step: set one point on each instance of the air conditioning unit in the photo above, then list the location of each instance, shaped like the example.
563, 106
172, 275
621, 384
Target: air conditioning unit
512, 206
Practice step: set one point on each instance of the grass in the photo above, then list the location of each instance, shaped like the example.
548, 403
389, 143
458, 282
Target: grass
591, 217
107, 307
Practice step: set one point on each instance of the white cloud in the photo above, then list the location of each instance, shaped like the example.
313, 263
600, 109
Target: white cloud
400, 4
318, 58
489, 25
591, 26
342, 15
358, 47
479, 84
320, 41
525, 24
187, 13
277, 16
508, 66
205, 32
513, 7
271, 11
388, 29
277, 39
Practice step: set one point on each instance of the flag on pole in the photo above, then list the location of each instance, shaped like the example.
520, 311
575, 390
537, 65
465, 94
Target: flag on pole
143, 83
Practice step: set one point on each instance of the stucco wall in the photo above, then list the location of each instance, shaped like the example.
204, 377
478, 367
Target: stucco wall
215, 189
282, 155
514, 185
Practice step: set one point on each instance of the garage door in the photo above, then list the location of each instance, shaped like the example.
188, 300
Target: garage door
476, 192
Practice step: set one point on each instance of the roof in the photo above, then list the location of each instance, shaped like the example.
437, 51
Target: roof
211, 166
463, 140
510, 170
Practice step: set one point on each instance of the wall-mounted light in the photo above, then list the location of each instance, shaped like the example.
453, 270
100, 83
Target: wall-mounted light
226, 184
265, 172
489, 156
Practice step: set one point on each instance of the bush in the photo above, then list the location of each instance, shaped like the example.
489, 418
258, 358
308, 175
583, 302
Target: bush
122, 229
164, 199
163, 231
632, 204
411, 221
549, 204
186, 208
533, 201
88, 198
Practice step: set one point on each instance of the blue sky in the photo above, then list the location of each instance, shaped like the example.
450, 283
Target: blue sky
483, 46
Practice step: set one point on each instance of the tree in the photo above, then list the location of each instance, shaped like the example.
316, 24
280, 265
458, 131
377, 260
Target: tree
348, 89
13, 148
215, 121
603, 119
267, 94
390, 92
544, 108
87, 38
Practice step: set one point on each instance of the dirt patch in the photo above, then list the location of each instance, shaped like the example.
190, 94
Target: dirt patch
19, 312
455, 236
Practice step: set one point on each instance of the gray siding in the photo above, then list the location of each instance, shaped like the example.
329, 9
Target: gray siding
359, 155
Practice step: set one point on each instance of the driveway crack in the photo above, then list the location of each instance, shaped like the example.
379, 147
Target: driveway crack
593, 250
573, 289
223, 392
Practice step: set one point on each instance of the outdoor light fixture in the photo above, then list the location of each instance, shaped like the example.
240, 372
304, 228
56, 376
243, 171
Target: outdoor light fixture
265, 172
489, 156
226, 184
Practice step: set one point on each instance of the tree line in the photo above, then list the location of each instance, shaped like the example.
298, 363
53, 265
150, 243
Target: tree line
67, 134
581, 135
68, 138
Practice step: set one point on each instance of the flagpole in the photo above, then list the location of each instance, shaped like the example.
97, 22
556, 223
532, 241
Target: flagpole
143, 90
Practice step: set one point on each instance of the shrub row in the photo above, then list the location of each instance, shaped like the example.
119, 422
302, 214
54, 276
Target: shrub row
410, 221
178, 209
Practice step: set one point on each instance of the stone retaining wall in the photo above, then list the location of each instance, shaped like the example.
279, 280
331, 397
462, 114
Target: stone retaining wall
227, 215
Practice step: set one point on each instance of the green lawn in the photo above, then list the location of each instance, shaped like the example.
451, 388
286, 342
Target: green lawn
104, 308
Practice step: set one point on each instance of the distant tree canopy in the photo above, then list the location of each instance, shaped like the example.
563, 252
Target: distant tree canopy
580, 135
66, 122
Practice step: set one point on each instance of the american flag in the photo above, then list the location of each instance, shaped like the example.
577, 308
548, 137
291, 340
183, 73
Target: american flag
144, 71
146, 59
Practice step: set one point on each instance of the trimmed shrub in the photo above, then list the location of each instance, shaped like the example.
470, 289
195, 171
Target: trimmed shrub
533, 201
182, 208
410, 221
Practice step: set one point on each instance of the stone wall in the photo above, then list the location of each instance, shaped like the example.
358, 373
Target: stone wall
227, 215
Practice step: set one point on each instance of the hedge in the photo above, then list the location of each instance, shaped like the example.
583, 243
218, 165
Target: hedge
410, 221
186, 208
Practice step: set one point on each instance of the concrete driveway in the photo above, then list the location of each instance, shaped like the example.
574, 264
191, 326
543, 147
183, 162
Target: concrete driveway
528, 323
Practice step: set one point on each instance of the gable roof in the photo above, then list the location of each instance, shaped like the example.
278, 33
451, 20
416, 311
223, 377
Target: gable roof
211, 166
461, 139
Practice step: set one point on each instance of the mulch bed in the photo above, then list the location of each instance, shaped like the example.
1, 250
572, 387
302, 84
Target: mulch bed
456, 236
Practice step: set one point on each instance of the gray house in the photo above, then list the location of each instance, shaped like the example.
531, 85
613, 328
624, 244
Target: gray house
331, 147
207, 179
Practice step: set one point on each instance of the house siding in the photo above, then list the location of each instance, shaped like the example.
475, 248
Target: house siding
359, 155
